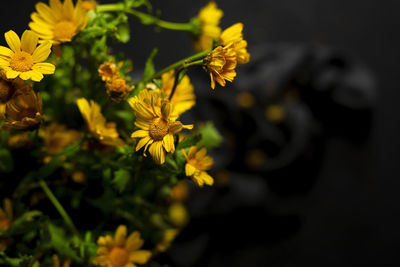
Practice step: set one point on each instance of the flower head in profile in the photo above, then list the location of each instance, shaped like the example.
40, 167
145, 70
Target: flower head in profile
157, 127
209, 17
9, 88
58, 22
57, 137
88, 5
23, 111
234, 35
221, 64
197, 165
118, 89
121, 251
6, 220
24, 58
105, 132
183, 98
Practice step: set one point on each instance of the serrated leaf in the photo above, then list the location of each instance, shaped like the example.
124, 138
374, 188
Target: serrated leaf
121, 179
149, 67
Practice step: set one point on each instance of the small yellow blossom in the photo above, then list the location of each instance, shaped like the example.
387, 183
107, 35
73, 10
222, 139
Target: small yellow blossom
221, 64
59, 22
79, 177
89, 5
22, 140
23, 111
118, 89
108, 70
157, 128
183, 98
234, 35
24, 58
178, 214
6, 220
102, 130
166, 240
209, 17
275, 113
197, 163
56, 261
57, 137
121, 251
180, 191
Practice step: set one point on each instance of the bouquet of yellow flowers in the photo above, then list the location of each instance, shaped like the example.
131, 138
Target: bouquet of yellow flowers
85, 150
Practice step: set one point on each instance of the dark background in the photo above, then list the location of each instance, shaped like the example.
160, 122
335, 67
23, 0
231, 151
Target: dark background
351, 215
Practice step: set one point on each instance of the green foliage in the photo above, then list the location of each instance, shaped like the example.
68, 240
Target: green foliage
14, 262
121, 179
211, 138
6, 161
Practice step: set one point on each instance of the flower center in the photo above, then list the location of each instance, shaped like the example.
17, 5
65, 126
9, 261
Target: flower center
64, 30
5, 223
118, 257
159, 129
21, 61
6, 91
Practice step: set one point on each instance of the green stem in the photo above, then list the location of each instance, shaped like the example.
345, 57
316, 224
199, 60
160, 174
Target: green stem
186, 62
59, 207
147, 18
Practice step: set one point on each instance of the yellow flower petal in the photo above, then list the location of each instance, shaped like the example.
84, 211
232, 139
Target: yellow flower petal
120, 235
5, 51
168, 142
45, 12
140, 256
13, 41
140, 133
36, 76
189, 170
42, 52
29, 41
134, 242
44, 68
12, 74
68, 9
142, 142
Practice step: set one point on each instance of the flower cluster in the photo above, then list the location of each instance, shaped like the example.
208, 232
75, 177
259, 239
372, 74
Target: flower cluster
77, 130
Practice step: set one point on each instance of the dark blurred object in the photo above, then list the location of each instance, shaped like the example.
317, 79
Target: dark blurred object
275, 119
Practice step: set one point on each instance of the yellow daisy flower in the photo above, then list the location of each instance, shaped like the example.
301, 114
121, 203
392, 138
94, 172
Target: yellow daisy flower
57, 137
23, 111
209, 17
25, 58
108, 70
117, 89
183, 98
59, 22
6, 219
102, 130
221, 64
234, 35
197, 163
89, 5
157, 128
121, 251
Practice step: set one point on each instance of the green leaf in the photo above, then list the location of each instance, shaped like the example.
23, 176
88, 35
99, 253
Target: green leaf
14, 262
22, 223
123, 32
135, 3
121, 179
6, 161
210, 136
149, 67
189, 141
60, 242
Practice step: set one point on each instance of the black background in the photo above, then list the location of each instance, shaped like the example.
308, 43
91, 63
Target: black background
351, 216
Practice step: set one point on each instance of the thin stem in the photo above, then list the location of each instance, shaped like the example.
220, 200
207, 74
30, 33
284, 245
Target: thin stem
183, 62
59, 207
147, 18
176, 82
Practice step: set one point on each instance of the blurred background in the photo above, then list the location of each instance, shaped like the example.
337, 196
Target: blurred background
308, 171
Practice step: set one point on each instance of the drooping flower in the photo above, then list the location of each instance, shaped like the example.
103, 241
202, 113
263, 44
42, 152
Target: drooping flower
209, 17
183, 98
57, 263
23, 111
108, 70
118, 89
197, 163
8, 89
6, 220
88, 5
121, 251
157, 127
59, 22
57, 137
234, 35
221, 64
105, 132
24, 58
